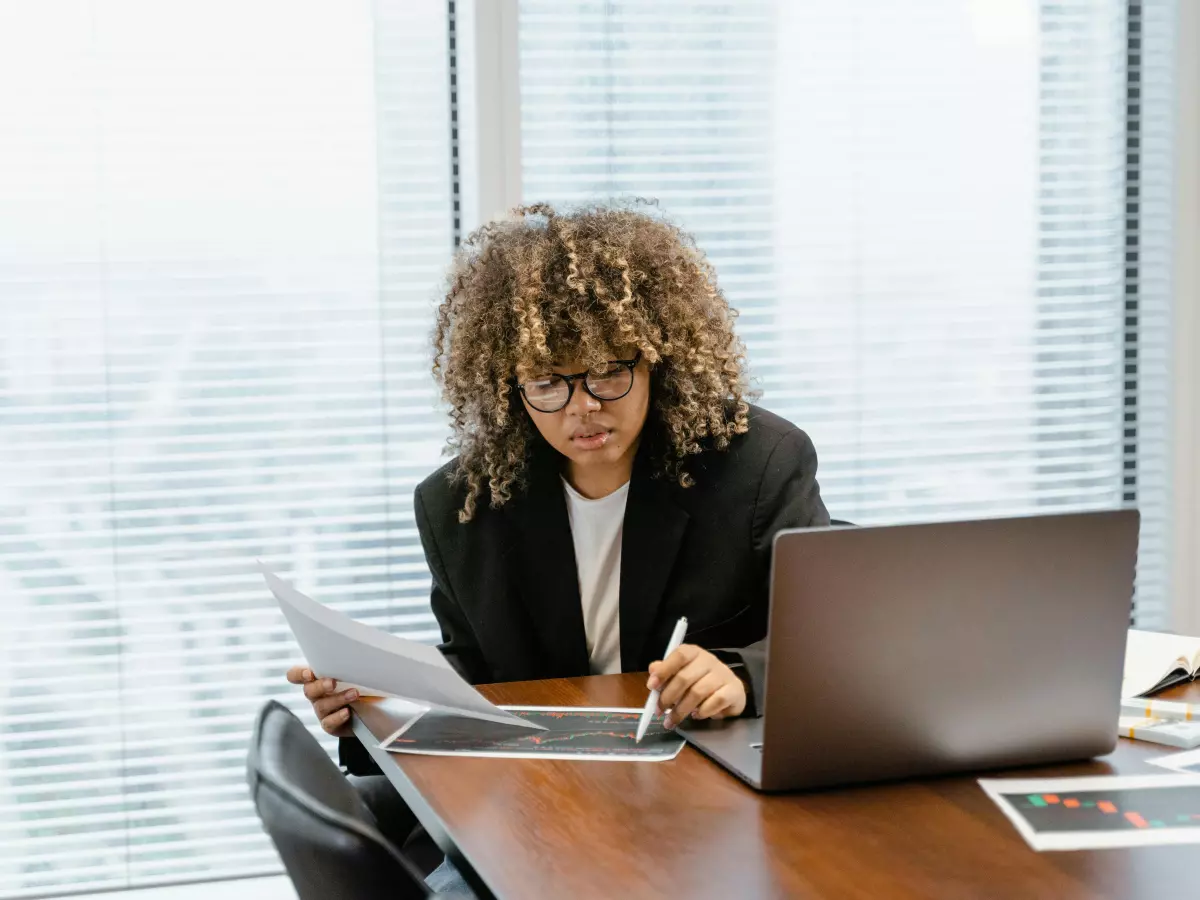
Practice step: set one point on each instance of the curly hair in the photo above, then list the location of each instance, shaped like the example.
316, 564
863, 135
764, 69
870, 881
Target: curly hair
540, 287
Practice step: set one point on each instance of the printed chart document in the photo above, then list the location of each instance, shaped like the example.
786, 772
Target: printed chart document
1101, 811
381, 664
569, 732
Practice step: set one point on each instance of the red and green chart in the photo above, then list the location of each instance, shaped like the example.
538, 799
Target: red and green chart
1099, 812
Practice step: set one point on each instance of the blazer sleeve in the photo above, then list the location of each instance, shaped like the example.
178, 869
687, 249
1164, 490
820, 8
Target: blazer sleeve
788, 497
458, 639
459, 644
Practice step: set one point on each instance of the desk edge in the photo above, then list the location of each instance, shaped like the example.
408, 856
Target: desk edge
429, 819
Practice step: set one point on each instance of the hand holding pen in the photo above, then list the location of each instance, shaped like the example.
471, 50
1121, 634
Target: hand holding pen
691, 681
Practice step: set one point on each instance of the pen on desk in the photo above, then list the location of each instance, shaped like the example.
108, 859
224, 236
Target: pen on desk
652, 701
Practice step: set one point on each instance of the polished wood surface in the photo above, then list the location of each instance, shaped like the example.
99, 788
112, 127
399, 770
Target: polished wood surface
556, 829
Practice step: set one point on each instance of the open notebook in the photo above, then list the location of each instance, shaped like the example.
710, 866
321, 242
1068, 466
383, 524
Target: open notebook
1155, 661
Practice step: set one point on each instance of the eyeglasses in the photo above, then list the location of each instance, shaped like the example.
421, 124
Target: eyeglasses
552, 393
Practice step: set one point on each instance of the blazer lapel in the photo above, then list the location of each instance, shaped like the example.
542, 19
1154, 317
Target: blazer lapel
548, 579
653, 531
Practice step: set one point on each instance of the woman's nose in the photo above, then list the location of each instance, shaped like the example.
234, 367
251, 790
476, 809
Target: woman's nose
582, 402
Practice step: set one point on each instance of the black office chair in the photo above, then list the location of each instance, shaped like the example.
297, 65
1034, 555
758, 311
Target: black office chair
323, 831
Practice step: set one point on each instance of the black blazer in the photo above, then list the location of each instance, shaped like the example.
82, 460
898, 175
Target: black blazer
506, 590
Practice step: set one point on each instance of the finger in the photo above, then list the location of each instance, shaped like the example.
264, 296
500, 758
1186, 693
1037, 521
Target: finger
331, 704
673, 691
663, 670
704, 688
315, 690
299, 674
332, 723
718, 703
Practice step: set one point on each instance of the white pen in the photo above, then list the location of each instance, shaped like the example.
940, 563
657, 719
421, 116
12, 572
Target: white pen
652, 701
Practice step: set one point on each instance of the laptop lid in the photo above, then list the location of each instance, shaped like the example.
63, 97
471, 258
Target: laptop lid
914, 649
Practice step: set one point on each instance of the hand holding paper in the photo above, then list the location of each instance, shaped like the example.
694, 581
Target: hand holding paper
375, 663
331, 704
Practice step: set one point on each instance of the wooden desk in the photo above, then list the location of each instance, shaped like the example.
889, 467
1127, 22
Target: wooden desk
531, 829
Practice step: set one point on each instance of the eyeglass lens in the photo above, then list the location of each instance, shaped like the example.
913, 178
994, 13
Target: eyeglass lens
552, 392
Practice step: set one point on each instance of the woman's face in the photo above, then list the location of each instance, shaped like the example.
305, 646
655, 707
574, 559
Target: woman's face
589, 431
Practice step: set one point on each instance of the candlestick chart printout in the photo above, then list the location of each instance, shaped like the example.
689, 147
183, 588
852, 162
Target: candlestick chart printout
570, 733
1108, 811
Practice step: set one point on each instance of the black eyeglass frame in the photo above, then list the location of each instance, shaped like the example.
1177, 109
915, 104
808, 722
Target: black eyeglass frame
582, 377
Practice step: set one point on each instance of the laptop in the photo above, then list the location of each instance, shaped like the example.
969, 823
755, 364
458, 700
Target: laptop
910, 650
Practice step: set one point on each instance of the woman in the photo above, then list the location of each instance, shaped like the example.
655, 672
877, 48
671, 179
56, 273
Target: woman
610, 475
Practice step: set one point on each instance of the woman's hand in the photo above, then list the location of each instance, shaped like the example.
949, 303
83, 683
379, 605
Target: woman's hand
332, 707
693, 682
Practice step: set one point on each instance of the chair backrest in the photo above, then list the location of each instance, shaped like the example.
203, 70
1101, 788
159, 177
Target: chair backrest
322, 829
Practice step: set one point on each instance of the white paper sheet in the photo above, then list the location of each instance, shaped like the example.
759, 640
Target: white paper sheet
377, 663
1101, 811
579, 744
1188, 761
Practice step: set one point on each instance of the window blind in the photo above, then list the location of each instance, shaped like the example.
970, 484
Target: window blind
919, 210
221, 227
1150, 196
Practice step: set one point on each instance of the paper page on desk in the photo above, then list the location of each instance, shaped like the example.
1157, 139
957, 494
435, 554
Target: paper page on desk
1100, 811
1187, 762
381, 664
605, 734
390, 715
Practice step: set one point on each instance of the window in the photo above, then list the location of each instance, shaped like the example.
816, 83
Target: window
921, 214
223, 228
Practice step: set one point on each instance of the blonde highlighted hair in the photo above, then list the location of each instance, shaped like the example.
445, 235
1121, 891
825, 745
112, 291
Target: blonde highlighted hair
542, 287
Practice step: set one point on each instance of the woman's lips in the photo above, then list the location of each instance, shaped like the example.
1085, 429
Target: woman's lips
591, 440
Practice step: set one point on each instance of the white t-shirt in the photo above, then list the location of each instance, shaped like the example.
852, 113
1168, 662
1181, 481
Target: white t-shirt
596, 532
